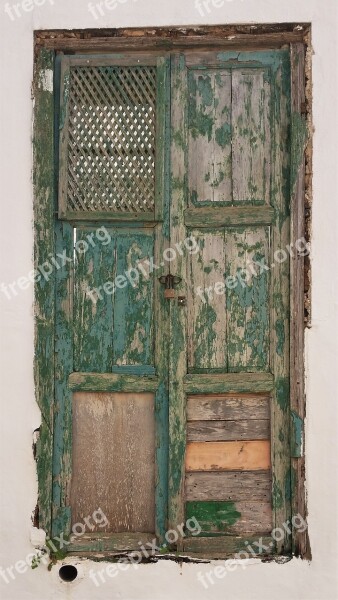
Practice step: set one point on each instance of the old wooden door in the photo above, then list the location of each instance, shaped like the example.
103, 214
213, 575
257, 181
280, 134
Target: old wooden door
174, 404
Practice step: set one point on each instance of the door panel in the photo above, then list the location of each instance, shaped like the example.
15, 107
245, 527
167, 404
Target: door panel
114, 302
116, 471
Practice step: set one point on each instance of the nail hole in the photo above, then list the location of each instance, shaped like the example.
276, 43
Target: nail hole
68, 573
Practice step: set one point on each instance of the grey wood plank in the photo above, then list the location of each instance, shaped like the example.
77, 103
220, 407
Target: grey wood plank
248, 406
231, 486
217, 431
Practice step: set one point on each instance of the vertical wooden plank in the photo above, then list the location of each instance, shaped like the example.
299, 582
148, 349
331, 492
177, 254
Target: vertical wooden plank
206, 308
300, 540
209, 124
132, 329
161, 310
93, 310
178, 355
247, 299
280, 300
63, 133
44, 201
251, 145
114, 459
62, 446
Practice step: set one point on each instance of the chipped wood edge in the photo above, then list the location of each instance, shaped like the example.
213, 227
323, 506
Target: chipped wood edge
300, 540
43, 206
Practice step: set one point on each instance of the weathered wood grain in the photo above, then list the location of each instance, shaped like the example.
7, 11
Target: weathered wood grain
235, 456
209, 146
44, 292
248, 300
280, 301
206, 335
110, 542
113, 325
218, 431
228, 408
207, 216
219, 383
228, 545
114, 460
231, 517
178, 314
300, 540
232, 485
112, 382
251, 135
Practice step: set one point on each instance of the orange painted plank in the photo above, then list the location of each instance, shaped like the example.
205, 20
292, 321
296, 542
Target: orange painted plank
228, 456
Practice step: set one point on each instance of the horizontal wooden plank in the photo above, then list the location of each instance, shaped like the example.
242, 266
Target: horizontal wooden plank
111, 382
137, 41
219, 547
228, 408
107, 216
105, 542
228, 216
232, 485
231, 517
218, 383
232, 456
218, 431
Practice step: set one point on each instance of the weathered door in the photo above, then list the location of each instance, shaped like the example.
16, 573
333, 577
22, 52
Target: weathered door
229, 346
174, 404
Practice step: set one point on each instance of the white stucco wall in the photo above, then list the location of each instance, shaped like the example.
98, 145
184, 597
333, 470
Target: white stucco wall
20, 416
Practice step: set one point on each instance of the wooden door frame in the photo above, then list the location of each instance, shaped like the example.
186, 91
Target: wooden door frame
296, 37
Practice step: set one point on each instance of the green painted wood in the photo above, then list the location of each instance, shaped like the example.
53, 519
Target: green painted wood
62, 448
132, 326
247, 319
44, 198
209, 126
251, 143
207, 343
108, 216
280, 299
161, 305
106, 382
113, 302
178, 315
207, 216
228, 382
93, 313
231, 517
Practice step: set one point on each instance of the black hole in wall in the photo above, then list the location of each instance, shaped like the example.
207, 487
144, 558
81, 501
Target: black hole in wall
68, 573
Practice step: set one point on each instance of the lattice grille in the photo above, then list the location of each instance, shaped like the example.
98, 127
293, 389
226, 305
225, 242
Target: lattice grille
111, 139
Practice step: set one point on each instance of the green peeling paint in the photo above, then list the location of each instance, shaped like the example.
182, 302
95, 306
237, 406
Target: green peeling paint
213, 516
296, 435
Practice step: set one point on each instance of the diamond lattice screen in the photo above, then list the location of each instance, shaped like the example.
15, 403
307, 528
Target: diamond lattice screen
111, 139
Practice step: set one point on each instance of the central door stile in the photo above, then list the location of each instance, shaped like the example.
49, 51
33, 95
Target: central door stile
161, 320
177, 349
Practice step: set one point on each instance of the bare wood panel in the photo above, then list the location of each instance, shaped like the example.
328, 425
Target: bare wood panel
231, 517
218, 456
232, 485
206, 330
229, 408
217, 431
114, 459
251, 144
209, 149
248, 333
